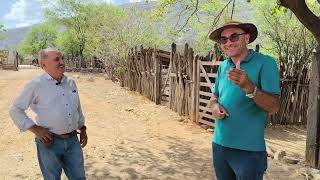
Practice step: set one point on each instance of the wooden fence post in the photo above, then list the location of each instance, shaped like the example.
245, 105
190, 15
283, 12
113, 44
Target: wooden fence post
171, 78
189, 81
16, 62
194, 89
157, 98
313, 130
197, 88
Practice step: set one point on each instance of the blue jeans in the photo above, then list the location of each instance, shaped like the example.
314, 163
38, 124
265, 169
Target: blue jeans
235, 164
64, 154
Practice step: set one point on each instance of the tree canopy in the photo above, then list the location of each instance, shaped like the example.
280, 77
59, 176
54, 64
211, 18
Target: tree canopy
40, 37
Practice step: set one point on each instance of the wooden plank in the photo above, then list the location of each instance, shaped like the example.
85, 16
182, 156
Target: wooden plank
205, 115
212, 75
205, 108
204, 101
211, 124
205, 93
209, 85
211, 63
206, 77
312, 141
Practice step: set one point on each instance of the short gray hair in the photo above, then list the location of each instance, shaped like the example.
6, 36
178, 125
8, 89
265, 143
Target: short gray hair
43, 54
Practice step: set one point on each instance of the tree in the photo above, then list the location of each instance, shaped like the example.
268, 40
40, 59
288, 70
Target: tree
2, 30
74, 15
277, 27
304, 14
68, 43
38, 38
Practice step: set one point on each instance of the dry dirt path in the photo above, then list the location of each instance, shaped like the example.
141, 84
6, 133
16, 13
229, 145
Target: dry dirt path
129, 137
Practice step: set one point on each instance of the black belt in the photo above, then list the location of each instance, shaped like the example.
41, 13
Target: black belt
66, 135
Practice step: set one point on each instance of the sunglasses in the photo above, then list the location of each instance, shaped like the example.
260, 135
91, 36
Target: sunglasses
233, 38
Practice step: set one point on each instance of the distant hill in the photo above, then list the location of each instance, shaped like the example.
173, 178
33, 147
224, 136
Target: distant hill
13, 37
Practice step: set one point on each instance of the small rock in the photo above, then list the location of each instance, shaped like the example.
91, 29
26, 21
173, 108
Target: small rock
186, 121
181, 120
290, 160
129, 109
76, 76
210, 130
279, 155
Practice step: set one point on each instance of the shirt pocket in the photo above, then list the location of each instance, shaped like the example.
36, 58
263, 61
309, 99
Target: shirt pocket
74, 98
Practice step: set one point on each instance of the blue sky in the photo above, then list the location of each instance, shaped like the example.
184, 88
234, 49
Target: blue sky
22, 13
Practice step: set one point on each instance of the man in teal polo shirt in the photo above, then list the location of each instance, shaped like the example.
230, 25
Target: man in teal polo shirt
246, 89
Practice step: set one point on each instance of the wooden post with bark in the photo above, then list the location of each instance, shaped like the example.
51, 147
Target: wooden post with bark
171, 77
157, 83
194, 89
313, 124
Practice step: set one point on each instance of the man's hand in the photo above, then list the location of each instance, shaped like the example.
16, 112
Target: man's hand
42, 133
241, 79
83, 137
218, 111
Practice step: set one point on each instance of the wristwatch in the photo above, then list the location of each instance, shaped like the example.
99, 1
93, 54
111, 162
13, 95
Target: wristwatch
253, 94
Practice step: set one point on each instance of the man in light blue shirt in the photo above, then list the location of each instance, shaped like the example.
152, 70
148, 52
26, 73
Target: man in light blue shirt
55, 100
246, 89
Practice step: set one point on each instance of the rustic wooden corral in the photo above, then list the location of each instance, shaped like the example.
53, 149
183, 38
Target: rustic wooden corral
185, 82
180, 69
295, 79
144, 72
173, 79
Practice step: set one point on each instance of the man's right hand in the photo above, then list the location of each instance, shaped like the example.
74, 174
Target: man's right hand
42, 133
218, 111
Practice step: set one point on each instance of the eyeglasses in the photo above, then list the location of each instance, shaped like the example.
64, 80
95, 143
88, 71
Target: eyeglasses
233, 38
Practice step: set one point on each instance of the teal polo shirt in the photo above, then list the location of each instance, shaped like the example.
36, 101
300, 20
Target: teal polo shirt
244, 128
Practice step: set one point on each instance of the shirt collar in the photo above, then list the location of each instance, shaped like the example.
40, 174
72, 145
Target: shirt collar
49, 78
246, 59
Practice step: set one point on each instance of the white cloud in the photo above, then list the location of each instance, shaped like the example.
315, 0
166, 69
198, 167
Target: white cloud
134, 1
24, 24
17, 11
24, 13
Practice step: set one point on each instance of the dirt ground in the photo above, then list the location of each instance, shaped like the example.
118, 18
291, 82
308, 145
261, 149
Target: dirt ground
129, 137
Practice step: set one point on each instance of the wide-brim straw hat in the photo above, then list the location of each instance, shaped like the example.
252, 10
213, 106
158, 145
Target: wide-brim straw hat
249, 28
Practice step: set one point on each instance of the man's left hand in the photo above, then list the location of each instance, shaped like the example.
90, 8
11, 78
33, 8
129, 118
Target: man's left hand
241, 79
83, 138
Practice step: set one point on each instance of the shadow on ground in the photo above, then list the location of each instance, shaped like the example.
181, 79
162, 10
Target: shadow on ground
180, 160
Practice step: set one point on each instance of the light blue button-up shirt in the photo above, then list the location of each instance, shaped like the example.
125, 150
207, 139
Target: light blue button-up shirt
57, 107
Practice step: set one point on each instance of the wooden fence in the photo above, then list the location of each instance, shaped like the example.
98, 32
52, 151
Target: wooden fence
294, 95
184, 82
179, 81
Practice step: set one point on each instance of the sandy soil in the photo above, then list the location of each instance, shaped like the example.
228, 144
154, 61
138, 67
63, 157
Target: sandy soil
129, 137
